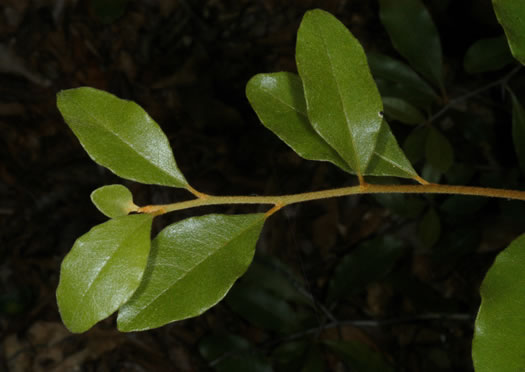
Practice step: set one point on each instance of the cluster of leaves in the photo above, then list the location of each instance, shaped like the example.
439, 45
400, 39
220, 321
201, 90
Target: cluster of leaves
331, 111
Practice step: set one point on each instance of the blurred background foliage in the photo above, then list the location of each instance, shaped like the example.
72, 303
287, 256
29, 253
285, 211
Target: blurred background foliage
367, 283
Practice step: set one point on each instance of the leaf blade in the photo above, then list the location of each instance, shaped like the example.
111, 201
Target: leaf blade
489, 54
498, 336
278, 100
511, 16
113, 200
389, 159
91, 285
197, 278
119, 135
410, 26
290, 123
343, 103
400, 110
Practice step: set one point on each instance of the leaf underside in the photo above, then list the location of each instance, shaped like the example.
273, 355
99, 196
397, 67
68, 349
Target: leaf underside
278, 100
342, 100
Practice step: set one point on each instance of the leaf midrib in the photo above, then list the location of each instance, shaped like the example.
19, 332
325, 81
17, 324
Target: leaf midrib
106, 262
194, 267
330, 64
100, 124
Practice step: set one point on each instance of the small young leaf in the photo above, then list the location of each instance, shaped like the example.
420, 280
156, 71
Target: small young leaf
414, 36
278, 100
439, 151
367, 263
518, 130
500, 325
342, 100
511, 15
120, 136
102, 270
359, 357
488, 54
397, 72
430, 228
284, 91
192, 265
400, 110
113, 200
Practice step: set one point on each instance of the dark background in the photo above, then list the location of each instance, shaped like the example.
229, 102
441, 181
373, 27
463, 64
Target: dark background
186, 63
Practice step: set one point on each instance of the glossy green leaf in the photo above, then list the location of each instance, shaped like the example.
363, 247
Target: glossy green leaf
500, 325
389, 159
291, 124
511, 15
414, 36
518, 130
400, 110
394, 71
192, 265
429, 228
102, 270
369, 262
113, 200
488, 54
439, 151
232, 353
359, 357
278, 100
119, 135
342, 100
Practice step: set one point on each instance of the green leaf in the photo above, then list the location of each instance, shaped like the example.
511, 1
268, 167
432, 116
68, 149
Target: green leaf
394, 71
439, 151
102, 270
400, 110
518, 130
342, 100
120, 136
430, 228
500, 325
192, 265
113, 200
369, 262
389, 159
488, 54
414, 36
511, 15
359, 357
278, 100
